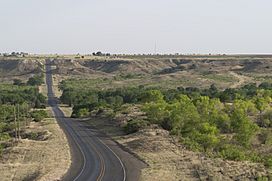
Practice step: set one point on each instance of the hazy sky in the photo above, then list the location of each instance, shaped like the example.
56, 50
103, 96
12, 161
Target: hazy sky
134, 26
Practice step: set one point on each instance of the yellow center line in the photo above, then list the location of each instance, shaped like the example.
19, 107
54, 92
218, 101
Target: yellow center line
102, 162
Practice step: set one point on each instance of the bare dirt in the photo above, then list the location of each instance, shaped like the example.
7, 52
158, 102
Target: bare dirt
241, 79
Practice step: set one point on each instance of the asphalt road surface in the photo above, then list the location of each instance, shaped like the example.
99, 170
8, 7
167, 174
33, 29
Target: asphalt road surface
95, 156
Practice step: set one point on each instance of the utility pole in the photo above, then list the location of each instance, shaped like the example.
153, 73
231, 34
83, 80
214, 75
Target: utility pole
15, 123
28, 114
19, 130
4, 113
155, 49
70, 101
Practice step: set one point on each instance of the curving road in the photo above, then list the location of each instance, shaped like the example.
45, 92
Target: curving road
95, 157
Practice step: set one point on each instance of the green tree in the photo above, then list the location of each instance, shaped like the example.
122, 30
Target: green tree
266, 119
183, 115
152, 96
261, 103
241, 124
83, 112
17, 82
206, 136
156, 112
36, 80
39, 115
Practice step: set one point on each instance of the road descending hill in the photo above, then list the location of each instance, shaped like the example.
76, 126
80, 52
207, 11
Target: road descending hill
94, 156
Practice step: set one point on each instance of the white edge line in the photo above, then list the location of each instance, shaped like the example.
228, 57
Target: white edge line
120, 161
124, 170
84, 158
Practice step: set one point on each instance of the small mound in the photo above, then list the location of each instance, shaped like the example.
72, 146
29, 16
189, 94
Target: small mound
37, 136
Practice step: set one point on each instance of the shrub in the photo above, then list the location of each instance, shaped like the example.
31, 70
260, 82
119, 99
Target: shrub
4, 136
191, 144
156, 112
152, 96
39, 115
33, 135
266, 119
254, 157
263, 178
206, 136
1, 149
36, 80
17, 82
81, 112
231, 152
266, 137
268, 161
135, 125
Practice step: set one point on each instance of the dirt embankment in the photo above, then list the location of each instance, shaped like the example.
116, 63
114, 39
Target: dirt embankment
37, 158
22, 69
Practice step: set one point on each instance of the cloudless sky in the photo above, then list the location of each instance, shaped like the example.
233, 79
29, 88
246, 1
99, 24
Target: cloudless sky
135, 26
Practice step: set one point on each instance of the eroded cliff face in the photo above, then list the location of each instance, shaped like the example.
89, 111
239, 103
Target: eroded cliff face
12, 68
26, 66
165, 65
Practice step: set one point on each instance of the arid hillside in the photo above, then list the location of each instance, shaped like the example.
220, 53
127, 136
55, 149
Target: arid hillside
19, 68
200, 71
187, 71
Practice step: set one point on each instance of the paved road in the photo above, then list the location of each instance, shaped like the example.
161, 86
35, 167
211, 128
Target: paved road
95, 157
